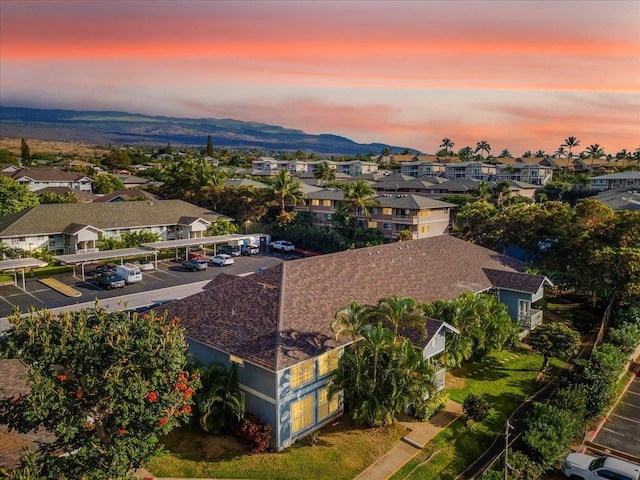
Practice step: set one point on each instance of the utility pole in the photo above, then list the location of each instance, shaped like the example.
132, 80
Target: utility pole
506, 448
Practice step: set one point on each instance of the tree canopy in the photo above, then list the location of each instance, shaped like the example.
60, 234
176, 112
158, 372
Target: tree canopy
14, 196
105, 384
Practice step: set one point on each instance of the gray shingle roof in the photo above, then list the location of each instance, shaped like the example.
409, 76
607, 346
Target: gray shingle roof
282, 315
54, 218
48, 174
623, 198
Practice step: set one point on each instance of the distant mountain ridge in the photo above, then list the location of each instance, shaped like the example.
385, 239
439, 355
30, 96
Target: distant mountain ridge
121, 128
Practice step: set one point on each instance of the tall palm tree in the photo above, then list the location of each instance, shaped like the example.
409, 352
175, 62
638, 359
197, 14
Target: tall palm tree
483, 146
324, 172
465, 154
540, 153
447, 144
570, 142
561, 152
400, 313
358, 200
594, 151
350, 320
287, 189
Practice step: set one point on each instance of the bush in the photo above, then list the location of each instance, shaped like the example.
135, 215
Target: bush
475, 408
626, 337
253, 433
572, 399
610, 360
428, 408
548, 433
595, 384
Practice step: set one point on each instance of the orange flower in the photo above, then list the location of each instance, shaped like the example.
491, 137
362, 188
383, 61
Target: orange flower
162, 422
62, 377
152, 397
186, 409
121, 431
188, 392
180, 386
79, 395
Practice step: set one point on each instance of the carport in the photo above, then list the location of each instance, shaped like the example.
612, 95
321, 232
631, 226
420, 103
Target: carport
260, 239
83, 258
20, 265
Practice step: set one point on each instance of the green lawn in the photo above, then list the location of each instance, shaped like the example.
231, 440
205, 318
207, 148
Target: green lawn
505, 386
341, 452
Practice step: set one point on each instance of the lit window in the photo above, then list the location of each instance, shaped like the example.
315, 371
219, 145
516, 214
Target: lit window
236, 360
328, 362
315, 202
425, 213
302, 414
425, 229
302, 373
387, 211
372, 225
326, 203
327, 406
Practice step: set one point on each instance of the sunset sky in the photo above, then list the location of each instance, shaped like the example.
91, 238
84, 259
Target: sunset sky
520, 75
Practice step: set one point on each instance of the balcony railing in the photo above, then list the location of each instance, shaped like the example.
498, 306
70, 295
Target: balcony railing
531, 320
439, 379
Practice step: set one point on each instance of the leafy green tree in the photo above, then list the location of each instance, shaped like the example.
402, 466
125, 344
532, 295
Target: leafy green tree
106, 384
553, 340
350, 320
110, 243
548, 433
474, 223
465, 153
50, 197
135, 239
106, 183
598, 387
220, 400
221, 227
405, 235
594, 152
572, 399
14, 196
475, 408
116, 160
7, 157
25, 152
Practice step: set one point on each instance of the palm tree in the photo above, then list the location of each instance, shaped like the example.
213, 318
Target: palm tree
324, 172
447, 144
465, 153
594, 151
358, 199
570, 142
350, 320
483, 146
219, 400
401, 313
287, 189
560, 152
540, 153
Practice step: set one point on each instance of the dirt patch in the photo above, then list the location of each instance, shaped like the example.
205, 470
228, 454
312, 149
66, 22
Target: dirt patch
197, 445
52, 147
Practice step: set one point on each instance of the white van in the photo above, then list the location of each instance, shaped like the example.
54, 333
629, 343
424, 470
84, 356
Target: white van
130, 272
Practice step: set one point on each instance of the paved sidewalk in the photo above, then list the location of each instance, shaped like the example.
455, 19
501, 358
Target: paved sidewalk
421, 433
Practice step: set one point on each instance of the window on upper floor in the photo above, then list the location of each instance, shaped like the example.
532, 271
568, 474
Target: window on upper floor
387, 226
326, 203
371, 224
328, 362
425, 213
387, 211
425, 228
315, 202
302, 373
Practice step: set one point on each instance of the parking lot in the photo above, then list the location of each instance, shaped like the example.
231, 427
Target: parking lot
168, 274
621, 432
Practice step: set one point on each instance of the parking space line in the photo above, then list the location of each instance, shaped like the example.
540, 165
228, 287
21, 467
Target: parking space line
613, 431
7, 301
625, 418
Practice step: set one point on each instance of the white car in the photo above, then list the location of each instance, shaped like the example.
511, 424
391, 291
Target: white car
145, 265
579, 466
283, 246
221, 260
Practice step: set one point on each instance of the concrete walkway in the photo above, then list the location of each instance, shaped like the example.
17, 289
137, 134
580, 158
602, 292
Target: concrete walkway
412, 444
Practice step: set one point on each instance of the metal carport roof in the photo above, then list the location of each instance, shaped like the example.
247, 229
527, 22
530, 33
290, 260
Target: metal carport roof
20, 264
84, 258
187, 242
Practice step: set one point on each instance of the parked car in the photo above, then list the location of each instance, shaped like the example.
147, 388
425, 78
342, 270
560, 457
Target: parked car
283, 246
579, 466
110, 280
145, 265
196, 256
104, 268
249, 249
221, 260
194, 264
232, 250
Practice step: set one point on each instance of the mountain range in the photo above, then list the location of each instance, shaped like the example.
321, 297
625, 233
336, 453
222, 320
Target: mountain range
121, 128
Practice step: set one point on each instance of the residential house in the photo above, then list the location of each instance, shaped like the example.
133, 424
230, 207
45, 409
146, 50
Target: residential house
628, 178
66, 228
475, 170
277, 331
127, 195
533, 174
419, 168
37, 178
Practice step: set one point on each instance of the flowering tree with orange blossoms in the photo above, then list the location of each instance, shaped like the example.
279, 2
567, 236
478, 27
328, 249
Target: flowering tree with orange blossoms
106, 384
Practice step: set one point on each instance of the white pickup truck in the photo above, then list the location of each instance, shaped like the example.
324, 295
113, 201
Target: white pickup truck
283, 246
